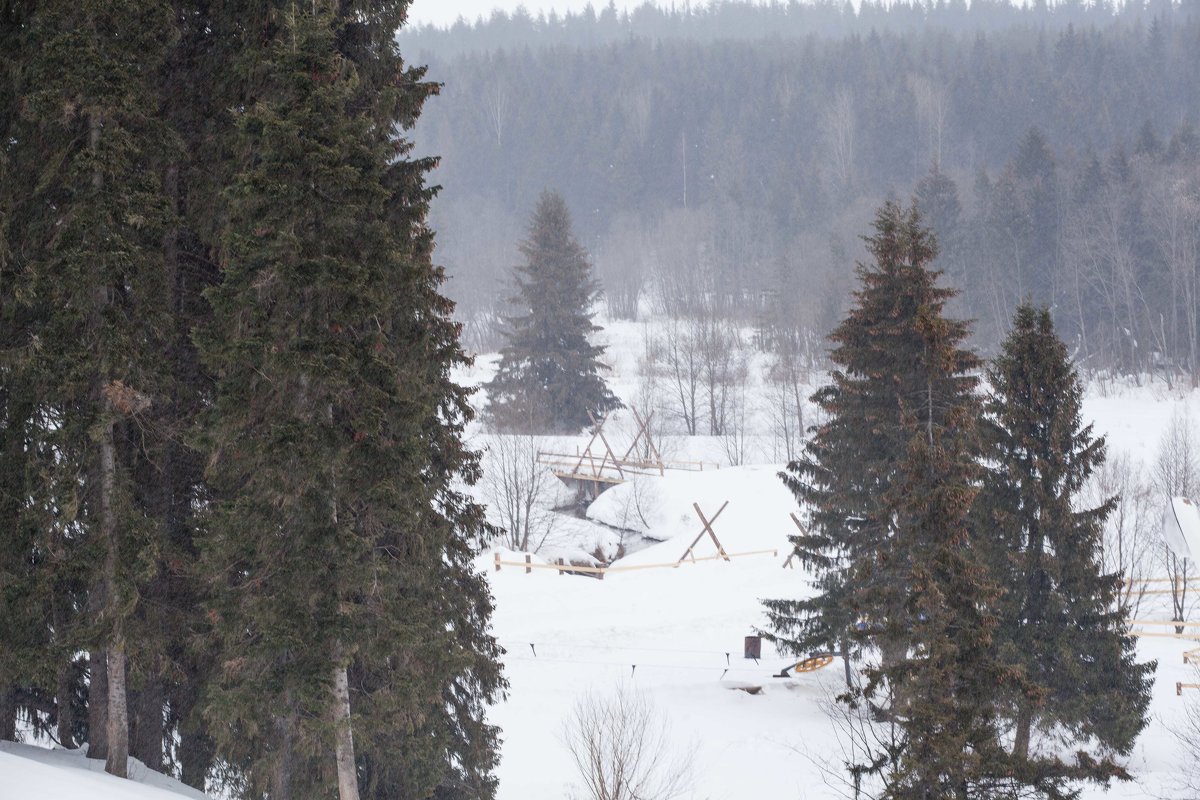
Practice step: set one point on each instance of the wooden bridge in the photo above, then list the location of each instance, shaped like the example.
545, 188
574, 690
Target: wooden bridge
598, 467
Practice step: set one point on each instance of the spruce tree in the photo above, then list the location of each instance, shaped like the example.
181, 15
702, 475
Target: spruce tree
89, 220
853, 458
549, 377
1059, 623
888, 479
351, 631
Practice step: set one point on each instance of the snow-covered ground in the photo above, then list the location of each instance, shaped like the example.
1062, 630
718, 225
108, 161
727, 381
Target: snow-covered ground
676, 634
28, 772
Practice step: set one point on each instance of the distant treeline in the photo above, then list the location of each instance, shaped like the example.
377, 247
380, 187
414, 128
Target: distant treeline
739, 19
740, 173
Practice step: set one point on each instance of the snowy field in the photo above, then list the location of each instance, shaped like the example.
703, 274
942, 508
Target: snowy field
676, 634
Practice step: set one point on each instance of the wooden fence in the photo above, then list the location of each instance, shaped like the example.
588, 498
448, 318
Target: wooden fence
563, 568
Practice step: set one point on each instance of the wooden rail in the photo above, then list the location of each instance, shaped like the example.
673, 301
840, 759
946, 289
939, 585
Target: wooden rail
563, 568
572, 462
1140, 581
1179, 687
1191, 637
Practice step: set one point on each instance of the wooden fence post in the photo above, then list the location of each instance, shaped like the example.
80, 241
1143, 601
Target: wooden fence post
497, 561
528, 561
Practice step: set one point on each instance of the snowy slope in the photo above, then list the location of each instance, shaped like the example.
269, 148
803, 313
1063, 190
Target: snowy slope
35, 773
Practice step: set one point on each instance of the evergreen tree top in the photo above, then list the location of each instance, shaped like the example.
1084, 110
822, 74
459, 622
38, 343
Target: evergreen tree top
556, 267
549, 375
1036, 404
899, 311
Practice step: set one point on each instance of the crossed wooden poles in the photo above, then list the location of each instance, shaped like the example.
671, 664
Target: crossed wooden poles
708, 523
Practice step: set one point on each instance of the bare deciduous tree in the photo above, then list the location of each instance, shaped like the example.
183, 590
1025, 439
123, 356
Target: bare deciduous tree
787, 381
518, 490
622, 265
1177, 472
1187, 734
1130, 535
676, 355
839, 119
496, 105
622, 747
723, 368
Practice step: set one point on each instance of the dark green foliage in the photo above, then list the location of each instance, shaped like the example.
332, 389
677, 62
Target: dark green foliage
889, 480
1060, 626
549, 378
160, 149
87, 213
851, 461
337, 538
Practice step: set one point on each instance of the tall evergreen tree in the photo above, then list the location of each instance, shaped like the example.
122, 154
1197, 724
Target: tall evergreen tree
852, 460
1059, 623
90, 220
888, 480
345, 608
549, 378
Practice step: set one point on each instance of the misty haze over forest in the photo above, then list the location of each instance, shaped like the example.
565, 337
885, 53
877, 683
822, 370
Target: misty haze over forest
727, 156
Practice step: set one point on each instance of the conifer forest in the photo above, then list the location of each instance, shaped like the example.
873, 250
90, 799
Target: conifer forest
647, 401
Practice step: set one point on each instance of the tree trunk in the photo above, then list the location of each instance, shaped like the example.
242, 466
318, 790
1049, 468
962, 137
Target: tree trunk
118, 723
344, 736
846, 663
117, 762
1024, 726
195, 757
281, 776
8, 714
146, 730
65, 722
117, 759
98, 705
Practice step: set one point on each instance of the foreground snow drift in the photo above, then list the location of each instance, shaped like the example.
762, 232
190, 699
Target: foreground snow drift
35, 773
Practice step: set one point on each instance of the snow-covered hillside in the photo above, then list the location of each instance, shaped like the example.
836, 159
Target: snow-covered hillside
676, 634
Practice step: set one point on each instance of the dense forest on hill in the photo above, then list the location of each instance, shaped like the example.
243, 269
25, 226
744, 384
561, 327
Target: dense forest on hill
1053, 150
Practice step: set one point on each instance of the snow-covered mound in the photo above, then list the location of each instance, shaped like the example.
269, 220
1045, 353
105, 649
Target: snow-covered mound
661, 508
36, 773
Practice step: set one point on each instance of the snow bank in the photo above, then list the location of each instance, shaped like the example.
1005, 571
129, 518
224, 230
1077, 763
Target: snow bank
660, 507
35, 773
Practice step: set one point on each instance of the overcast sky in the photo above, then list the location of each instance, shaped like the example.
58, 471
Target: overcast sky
444, 12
